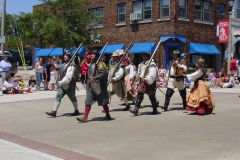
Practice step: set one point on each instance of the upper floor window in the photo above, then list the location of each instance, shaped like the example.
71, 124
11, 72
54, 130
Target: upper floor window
164, 8
221, 12
203, 11
99, 13
183, 8
238, 9
121, 13
144, 8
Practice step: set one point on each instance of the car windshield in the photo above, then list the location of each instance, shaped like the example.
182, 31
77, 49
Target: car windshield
10, 59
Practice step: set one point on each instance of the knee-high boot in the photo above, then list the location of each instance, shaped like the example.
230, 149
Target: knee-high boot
137, 105
154, 103
183, 94
168, 96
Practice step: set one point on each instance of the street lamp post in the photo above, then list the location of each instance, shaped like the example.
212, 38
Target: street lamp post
230, 5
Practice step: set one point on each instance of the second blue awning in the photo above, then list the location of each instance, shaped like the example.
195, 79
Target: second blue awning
112, 48
179, 37
146, 47
198, 48
44, 52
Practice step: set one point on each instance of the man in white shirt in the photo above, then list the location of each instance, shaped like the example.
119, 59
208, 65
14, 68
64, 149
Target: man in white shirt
116, 80
148, 76
175, 80
4, 69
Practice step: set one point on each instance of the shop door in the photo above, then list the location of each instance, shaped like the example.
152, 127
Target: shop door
169, 48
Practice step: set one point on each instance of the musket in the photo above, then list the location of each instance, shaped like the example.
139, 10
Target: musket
160, 90
70, 61
120, 61
99, 58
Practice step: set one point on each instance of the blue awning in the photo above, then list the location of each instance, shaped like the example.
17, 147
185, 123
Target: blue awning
44, 52
198, 48
112, 48
142, 47
167, 37
57, 52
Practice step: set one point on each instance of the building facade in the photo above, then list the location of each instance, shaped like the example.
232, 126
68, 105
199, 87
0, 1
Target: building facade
236, 27
186, 25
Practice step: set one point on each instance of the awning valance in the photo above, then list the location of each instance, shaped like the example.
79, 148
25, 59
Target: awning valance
44, 52
198, 48
139, 48
57, 52
112, 48
167, 37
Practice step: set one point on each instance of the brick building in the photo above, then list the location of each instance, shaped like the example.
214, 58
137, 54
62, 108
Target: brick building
186, 25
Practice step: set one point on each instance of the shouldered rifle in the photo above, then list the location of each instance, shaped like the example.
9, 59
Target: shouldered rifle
70, 61
120, 61
99, 58
150, 60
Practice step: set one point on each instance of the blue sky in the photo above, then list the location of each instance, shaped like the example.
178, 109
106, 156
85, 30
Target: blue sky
16, 6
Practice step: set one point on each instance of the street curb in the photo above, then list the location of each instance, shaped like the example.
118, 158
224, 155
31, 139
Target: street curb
45, 148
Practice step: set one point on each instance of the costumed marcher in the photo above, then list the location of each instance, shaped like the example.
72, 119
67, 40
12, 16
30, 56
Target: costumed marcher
200, 99
129, 75
175, 79
116, 80
96, 87
148, 77
66, 85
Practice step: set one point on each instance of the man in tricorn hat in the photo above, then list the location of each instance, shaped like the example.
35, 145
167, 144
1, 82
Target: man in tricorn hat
147, 84
96, 87
66, 85
175, 79
116, 80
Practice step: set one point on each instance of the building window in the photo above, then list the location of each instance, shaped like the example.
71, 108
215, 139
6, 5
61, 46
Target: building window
238, 9
144, 8
221, 12
99, 13
183, 8
164, 8
203, 11
121, 13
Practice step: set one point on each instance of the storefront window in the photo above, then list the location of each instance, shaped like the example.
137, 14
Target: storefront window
207, 60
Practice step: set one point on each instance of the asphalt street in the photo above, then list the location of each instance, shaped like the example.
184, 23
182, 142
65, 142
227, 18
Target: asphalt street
175, 134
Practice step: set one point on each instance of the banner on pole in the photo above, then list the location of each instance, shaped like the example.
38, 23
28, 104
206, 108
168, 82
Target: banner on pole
223, 31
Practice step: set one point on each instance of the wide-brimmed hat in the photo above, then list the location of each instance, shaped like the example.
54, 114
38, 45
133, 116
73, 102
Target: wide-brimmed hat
200, 61
115, 54
175, 52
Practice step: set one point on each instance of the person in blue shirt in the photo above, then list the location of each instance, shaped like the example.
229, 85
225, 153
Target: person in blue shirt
46, 73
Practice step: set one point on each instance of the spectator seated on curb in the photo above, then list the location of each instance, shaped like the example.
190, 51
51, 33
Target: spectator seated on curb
7, 86
232, 80
187, 83
32, 87
220, 84
15, 85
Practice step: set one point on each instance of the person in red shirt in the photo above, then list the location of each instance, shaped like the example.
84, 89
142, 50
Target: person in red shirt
233, 66
84, 69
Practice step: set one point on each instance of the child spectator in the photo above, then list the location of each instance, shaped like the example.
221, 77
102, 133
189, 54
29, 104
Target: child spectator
162, 70
232, 80
53, 79
32, 79
21, 83
7, 86
84, 69
32, 87
161, 81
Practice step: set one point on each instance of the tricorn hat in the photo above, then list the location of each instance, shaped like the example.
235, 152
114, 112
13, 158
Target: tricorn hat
200, 61
68, 53
95, 51
175, 52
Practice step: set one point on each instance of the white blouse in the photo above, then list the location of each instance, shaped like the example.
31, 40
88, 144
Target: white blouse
195, 75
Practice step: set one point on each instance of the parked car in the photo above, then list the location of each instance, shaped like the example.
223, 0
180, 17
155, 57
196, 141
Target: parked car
13, 62
27, 56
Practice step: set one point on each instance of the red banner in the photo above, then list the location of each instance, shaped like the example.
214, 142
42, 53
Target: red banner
223, 31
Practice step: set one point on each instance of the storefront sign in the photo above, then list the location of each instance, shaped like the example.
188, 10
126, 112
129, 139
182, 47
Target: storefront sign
223, 31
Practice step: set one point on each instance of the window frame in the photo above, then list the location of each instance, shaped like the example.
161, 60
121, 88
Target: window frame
238, 9
119, 5
142, 9
164, 7
203, 10
96, 11
186, 7
223, 12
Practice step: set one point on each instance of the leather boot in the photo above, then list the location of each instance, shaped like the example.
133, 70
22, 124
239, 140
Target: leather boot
183, 94
126, 108
82, 119
52, 113
154, 103
107, 118
75, 113
168, 96
135, 110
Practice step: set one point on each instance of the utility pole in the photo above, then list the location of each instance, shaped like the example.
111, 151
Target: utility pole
3, 23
